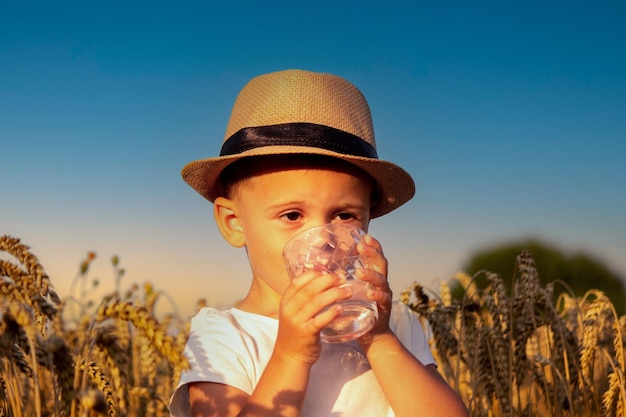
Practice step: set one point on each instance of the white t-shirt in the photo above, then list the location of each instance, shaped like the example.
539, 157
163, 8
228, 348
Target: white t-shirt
232, 347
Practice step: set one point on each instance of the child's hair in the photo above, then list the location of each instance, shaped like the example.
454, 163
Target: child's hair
236, 174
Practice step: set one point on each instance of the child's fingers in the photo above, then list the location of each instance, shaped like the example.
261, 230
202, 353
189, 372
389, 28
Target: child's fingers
375, 273
381, 294
310, 293
372, 255
309, 283
324, 317
370, 240
379, 290
375, 279
314, 307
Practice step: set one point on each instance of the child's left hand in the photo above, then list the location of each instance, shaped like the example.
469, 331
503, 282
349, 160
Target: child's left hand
375, 272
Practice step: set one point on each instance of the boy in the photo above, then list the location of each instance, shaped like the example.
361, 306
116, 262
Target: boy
299, 152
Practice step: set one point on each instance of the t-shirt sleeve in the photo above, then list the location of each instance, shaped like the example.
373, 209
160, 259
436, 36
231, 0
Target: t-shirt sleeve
213, 350
406, 325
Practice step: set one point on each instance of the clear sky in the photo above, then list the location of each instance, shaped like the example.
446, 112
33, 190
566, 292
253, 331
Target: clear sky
510, 116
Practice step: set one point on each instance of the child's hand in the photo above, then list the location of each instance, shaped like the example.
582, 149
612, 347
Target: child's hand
375, 272
301, 318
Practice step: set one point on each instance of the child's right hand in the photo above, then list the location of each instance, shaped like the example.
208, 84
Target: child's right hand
301, 318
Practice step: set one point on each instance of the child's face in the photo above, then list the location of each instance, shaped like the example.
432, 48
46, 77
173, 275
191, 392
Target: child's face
273, 207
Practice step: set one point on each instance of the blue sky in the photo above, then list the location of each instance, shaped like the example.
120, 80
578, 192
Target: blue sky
511, 117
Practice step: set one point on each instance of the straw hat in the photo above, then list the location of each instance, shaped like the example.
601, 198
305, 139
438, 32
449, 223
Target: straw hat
302, 112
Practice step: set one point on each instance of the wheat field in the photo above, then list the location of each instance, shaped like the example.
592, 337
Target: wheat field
518, 352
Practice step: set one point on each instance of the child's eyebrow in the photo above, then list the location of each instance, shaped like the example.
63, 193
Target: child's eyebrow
353, 207
287, 203
341, 205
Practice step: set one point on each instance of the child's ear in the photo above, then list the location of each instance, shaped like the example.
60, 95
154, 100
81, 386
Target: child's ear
228, 221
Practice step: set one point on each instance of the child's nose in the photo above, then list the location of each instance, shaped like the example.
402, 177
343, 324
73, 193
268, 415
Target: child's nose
319, 220
317, 223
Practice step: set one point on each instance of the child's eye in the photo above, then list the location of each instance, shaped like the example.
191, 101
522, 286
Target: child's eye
291, 216
345, 216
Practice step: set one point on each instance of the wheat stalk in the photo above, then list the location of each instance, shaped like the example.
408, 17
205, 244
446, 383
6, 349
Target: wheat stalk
61, 363
10, 388
147, 324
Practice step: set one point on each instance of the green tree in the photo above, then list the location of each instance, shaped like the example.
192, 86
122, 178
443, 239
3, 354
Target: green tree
580, 271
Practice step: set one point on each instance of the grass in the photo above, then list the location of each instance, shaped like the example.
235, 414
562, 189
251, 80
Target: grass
507, 353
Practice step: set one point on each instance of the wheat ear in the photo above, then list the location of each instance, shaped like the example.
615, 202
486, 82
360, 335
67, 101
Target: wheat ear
98, 377
147, 324
34, 269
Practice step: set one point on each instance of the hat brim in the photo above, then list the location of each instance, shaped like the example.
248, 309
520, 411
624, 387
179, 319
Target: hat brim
396, 186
